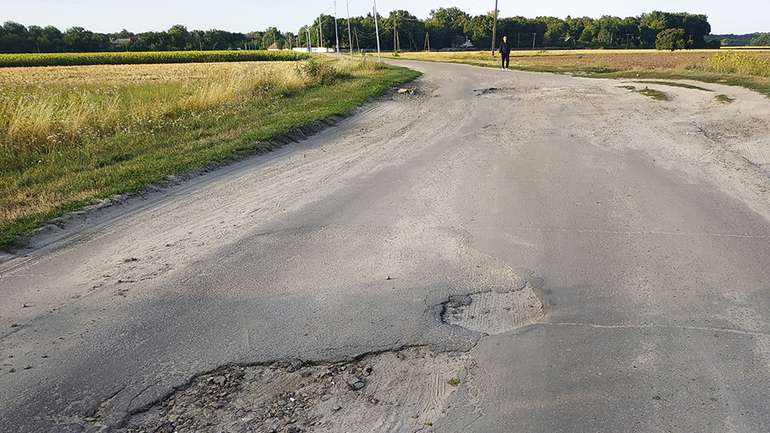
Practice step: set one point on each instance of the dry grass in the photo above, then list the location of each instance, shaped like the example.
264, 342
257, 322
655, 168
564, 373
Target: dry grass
48, 110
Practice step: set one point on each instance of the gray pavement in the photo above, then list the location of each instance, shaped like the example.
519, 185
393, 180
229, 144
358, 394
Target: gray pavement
652, 241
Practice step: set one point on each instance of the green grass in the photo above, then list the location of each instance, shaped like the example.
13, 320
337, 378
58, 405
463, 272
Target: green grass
123, 161
652, 93
148, 57
724, 99
674, 84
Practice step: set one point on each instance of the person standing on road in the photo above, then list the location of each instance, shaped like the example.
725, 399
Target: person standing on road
505, 52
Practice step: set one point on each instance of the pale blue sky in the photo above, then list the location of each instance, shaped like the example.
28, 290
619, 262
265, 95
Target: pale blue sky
739, 16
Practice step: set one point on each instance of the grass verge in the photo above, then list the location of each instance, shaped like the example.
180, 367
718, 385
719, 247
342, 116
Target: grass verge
674, 84
724, 99
652, 93
196, 128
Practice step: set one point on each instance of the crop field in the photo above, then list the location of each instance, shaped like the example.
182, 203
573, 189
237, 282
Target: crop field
746, 68
132, 58
70, 135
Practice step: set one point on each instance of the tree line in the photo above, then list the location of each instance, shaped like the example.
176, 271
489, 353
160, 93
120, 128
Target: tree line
16, 38
447, 28
444, 28
731, 40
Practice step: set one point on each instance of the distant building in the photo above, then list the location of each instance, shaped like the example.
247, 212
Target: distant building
467, 45
122, 42
273, 47
315, 50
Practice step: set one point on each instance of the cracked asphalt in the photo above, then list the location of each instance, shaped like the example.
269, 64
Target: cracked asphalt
645, 223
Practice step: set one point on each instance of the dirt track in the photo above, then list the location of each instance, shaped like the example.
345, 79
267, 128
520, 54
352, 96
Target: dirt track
613, 251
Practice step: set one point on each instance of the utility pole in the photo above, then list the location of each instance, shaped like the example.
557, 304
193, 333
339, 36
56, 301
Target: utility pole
395, 32
309, 44
377, 30
336, 33
494, 30
427, 40
534, 38
358, 45
350, 39
320, 31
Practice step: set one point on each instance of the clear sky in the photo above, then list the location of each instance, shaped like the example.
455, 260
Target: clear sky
739, 16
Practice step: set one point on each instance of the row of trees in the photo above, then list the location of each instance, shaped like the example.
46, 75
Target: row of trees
444, 28
761, 39
451, 27
16, 38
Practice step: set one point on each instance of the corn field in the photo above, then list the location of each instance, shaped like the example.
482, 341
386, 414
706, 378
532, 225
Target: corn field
149, 57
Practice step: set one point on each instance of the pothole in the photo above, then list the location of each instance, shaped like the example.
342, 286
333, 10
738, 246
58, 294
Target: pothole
494, 312
402, 391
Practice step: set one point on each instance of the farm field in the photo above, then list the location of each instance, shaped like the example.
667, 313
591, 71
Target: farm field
147, 57
72, 135
747, 69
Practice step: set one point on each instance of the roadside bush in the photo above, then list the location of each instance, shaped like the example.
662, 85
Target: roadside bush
322, 71
671, 39
762, 39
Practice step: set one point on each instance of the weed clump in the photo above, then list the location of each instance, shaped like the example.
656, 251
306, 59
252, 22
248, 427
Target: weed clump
323, 71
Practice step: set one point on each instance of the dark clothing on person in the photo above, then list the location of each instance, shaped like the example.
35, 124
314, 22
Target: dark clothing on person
505, 49
505, 54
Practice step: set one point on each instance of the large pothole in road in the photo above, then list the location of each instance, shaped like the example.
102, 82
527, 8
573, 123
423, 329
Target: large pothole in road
494, 312
403, 391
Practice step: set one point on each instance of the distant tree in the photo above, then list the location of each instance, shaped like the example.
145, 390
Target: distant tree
78, 39
556, 31
761, 39
671, 39
479, 30
178, 38
588, 36
15, 38
609, 29
446, 26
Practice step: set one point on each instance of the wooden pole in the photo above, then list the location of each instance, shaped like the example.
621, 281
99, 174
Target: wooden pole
336, 33
350, 39
377, 30
494, 30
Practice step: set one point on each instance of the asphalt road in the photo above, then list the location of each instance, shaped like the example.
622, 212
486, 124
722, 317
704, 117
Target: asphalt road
646, 220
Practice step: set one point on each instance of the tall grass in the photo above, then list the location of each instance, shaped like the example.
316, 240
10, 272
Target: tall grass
40, 120
145, 57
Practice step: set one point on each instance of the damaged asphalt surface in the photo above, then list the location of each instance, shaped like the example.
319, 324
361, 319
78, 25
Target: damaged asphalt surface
493, 252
